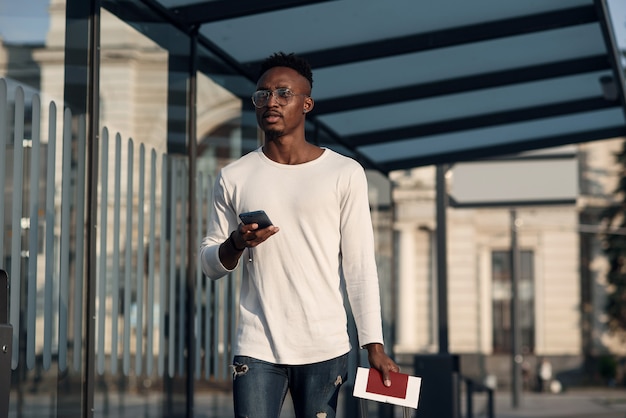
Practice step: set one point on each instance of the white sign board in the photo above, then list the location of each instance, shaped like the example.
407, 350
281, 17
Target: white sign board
515, 182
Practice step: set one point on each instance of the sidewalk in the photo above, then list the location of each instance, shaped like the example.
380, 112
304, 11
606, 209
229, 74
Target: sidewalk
574, 403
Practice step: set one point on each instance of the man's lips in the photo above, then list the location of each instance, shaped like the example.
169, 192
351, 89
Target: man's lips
272, 117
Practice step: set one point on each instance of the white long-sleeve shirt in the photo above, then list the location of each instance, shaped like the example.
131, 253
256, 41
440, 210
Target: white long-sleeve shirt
291, 300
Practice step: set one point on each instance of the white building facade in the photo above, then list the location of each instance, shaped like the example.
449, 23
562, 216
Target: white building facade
562, 283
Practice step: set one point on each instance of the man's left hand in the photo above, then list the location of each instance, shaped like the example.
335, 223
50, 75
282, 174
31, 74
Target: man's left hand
380, 361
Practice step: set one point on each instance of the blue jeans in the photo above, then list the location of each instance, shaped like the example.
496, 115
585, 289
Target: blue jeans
259, 387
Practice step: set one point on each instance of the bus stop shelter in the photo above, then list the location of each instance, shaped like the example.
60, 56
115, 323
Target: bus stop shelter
403, 83
398, 83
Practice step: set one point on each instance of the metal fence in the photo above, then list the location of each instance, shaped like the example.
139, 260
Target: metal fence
142, 255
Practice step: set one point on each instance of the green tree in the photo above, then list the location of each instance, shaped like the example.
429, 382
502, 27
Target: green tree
615, 250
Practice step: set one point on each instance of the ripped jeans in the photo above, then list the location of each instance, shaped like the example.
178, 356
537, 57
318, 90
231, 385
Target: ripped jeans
259, 387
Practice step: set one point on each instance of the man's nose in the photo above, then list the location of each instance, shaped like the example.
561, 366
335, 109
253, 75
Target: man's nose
271, 97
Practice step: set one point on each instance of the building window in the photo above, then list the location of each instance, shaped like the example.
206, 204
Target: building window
501, 277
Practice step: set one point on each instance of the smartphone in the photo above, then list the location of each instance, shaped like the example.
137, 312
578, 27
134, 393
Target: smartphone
256, 217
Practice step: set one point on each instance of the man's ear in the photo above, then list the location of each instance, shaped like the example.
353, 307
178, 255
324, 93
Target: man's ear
308, 104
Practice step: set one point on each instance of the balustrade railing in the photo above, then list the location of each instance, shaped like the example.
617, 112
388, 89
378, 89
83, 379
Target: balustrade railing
141, 250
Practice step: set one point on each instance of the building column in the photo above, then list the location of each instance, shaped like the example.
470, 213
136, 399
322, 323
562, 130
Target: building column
406, 335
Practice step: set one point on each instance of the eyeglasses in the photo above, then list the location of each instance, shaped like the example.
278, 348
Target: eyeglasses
283, 96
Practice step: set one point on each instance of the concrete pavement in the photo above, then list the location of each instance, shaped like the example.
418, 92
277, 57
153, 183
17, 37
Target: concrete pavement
574, 403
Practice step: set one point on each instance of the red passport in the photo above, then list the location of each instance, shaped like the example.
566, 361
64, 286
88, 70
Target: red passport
399, 382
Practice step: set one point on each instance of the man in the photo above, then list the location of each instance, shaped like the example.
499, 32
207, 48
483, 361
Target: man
292, 334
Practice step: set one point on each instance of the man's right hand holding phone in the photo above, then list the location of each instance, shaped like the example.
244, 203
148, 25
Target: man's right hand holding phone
247, 235
250, 235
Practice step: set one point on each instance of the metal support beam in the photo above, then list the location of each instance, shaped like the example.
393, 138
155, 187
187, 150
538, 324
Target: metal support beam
462, 35
463, 84
478, 122
516, 336
503, 148
92, 16
442, 260
192, 244
216, 10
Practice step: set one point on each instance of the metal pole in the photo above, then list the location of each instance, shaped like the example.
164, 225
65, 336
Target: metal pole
516, 356
192, 220
442, 262
469, 401
89, 296
490, 404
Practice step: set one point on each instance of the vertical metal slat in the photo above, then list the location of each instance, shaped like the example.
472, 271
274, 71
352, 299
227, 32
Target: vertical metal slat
115, 282
225, 322
173, 279
66, 206
16, 222
217, 308
207, 329
128, 258
3, 158
102, 270
207, 297
162, 266
79, 277
140, 261
33, 235
151, 265
50, 239
234, 298
182, 268
197, 320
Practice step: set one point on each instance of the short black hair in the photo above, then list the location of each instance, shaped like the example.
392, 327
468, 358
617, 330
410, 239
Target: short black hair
291, 60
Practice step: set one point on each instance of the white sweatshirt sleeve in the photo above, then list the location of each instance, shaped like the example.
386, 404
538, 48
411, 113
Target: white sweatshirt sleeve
358, 260
222, 221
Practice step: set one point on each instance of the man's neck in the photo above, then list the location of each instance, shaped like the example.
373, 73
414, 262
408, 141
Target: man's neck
291, 152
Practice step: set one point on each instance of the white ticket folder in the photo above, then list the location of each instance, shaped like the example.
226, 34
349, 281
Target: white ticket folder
404, 389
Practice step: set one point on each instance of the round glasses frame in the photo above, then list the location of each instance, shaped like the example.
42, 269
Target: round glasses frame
283, 96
